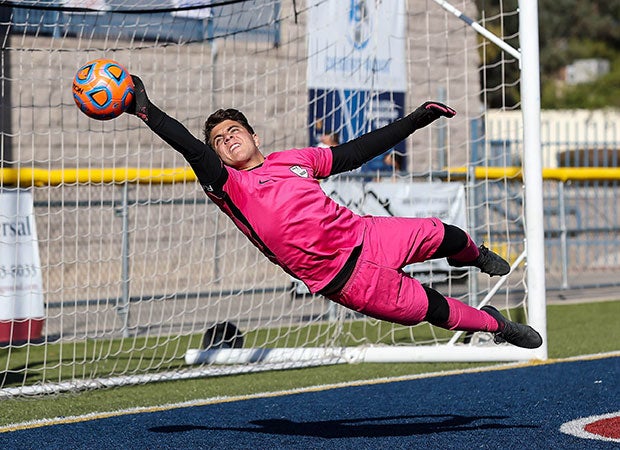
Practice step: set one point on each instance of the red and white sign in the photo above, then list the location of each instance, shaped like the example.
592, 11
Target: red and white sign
21, 286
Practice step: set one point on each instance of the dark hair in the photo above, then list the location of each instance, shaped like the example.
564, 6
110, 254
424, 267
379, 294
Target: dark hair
220, 116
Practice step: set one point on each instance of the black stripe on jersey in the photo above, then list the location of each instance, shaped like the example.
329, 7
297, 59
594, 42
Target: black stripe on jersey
238, 215
241, 218
257, 240
215, 191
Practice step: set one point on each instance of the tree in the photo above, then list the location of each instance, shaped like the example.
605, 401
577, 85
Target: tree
568, 30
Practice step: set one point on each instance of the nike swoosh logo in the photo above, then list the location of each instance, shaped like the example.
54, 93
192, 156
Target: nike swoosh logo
263, 181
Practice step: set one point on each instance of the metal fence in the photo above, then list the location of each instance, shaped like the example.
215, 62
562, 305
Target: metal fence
582, 246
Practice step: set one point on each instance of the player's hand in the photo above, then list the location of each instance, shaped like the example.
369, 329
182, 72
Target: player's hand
430, 111
141, 102
439, 108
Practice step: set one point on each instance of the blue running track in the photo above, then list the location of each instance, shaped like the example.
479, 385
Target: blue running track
514, 408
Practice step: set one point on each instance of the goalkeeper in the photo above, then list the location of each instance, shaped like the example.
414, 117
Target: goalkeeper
356, 261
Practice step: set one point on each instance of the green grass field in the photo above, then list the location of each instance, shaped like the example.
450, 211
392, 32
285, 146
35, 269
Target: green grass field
573, 330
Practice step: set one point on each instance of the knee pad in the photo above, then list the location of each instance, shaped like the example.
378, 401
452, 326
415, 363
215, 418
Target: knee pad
438, 311
454, 240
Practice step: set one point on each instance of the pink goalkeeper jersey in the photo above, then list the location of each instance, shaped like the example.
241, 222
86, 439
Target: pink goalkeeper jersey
282, 209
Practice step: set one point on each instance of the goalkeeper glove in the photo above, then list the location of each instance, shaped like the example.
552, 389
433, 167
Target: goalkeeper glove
428, 112
141, 103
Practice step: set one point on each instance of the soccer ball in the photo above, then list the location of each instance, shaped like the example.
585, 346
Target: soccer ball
102, 89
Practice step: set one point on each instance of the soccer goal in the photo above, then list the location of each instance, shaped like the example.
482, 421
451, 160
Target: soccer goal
116, 269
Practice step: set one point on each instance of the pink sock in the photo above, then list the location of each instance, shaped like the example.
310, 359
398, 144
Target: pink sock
466, 318
469, 253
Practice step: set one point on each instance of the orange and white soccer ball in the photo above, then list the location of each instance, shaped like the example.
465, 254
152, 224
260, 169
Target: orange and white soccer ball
102, 89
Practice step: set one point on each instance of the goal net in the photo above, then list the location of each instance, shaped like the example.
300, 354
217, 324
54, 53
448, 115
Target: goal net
116, 269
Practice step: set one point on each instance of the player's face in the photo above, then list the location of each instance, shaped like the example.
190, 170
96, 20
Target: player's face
235, 145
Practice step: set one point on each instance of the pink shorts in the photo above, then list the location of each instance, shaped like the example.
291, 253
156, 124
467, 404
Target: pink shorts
378, 287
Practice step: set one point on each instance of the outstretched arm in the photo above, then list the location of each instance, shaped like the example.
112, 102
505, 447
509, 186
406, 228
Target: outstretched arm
207, 166
353, 154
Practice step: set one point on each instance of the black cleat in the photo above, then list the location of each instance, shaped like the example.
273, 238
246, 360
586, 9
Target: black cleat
512, 332
487, 261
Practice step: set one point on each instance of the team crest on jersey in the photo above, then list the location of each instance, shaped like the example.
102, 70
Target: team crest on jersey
299, 171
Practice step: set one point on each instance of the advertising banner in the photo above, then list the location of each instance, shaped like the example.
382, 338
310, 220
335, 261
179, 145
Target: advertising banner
356, 69
21, 285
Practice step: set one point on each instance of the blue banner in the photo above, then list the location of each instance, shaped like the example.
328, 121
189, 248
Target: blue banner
356, 72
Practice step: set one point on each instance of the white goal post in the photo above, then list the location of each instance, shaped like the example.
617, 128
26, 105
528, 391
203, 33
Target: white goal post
534, 245
143, 279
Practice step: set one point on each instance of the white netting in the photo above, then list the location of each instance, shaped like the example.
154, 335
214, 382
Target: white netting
133, 274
